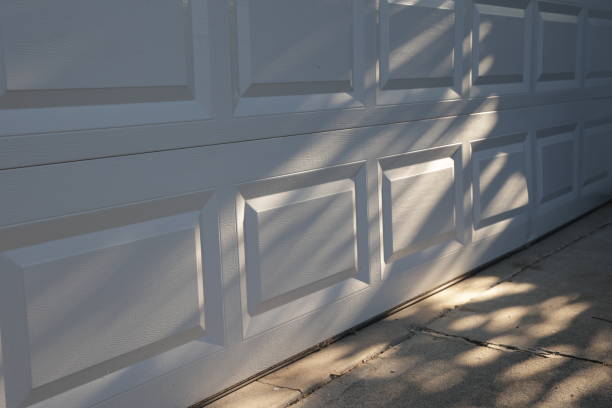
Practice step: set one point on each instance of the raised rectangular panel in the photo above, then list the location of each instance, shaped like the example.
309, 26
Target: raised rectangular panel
500, 189
46, 49
419, 192
421, 206
596, 163
268, 241
295, 55
501, 47
109, 281
558, 40
111, 289
304, 238
598, 69
557, 165
61, 55
420, 51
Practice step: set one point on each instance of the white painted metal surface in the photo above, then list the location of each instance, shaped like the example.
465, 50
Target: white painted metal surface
379, 149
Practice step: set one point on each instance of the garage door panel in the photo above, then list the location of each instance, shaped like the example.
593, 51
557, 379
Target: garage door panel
66, 291
304, 243
596, 168
65, 51
501, 191
559, 46
420, 51
272, 233
422, 211
557, 164
501, 47
598, 70
557, 175
63, 61
293, 56
111, 297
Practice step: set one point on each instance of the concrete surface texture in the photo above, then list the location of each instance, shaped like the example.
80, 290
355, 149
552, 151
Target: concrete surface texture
534, 330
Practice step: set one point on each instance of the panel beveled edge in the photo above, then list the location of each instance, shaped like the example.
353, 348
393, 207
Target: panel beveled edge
416, 164
55, 98
500, 148
181, 346
15, 367
260, 315
2, 75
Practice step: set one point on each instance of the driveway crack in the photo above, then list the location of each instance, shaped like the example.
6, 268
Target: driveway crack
601, 319
281, 386
540, 352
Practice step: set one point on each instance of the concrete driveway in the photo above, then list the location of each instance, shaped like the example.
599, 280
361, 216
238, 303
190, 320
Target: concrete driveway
534, 330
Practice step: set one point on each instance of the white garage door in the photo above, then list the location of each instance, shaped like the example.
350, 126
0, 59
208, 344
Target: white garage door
194, 190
